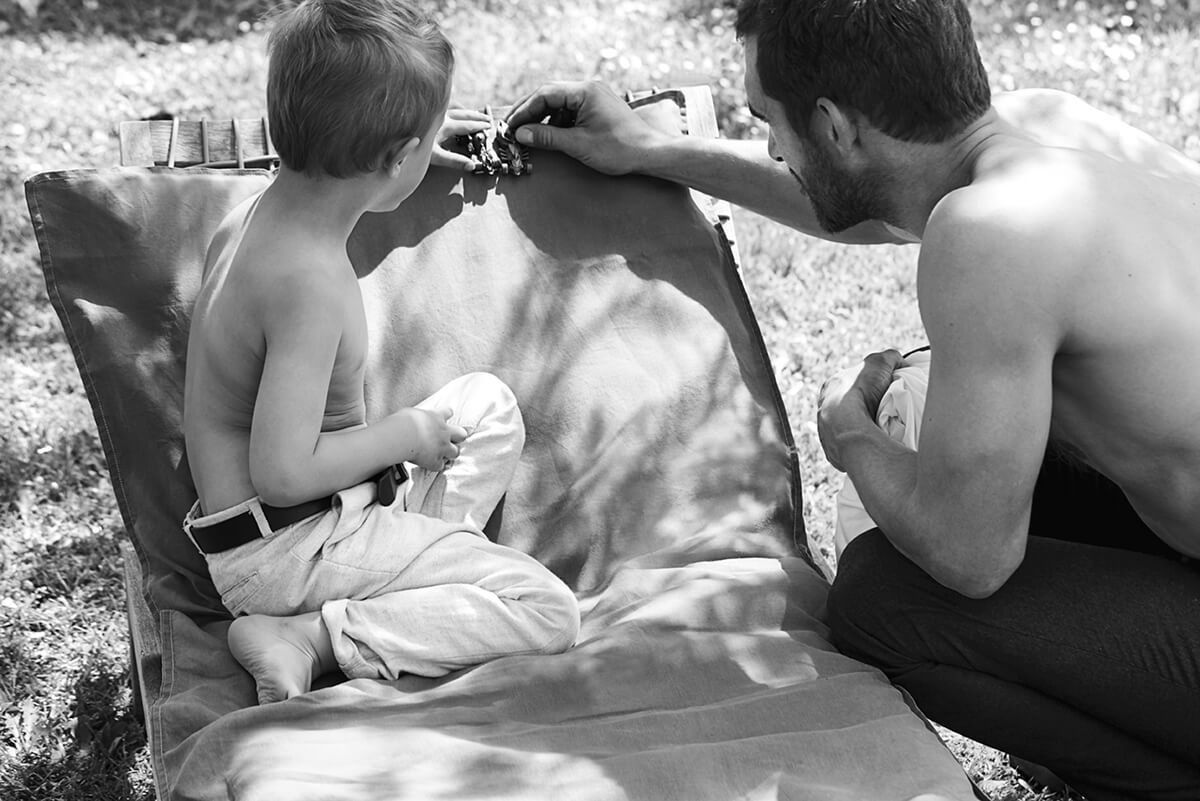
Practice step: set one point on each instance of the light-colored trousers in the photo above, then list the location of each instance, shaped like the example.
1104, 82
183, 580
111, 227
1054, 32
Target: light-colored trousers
414, 587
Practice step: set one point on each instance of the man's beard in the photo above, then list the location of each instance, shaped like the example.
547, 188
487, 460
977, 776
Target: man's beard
841, 200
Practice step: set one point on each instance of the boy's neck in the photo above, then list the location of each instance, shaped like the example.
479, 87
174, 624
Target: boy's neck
323, 205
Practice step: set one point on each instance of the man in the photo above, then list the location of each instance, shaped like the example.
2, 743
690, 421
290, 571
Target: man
1030, 581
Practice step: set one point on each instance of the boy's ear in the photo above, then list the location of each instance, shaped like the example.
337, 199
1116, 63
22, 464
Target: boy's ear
397, 152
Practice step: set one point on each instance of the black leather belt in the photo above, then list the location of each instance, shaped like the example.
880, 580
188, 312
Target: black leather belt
244, 528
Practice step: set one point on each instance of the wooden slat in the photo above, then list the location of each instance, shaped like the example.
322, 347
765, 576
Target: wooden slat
700, 112
147, 142
136, 150
700, 119
145, 670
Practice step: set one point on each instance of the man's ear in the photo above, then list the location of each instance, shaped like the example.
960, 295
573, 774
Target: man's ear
397, 152
837, 126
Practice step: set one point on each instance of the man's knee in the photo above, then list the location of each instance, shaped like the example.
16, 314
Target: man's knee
871, 598
851, 598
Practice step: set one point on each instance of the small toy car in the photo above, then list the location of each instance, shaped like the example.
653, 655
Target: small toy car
494, 151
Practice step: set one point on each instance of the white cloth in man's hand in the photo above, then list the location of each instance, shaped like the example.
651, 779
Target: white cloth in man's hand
900, 414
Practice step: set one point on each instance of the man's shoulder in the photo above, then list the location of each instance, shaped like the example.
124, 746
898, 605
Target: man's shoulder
1022, 231
1058, 119
1037, 107
1032, 194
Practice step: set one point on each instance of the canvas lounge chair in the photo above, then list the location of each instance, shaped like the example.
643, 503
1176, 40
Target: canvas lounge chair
659, 480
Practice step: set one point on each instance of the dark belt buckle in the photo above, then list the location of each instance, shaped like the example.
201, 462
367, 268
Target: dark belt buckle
389, 484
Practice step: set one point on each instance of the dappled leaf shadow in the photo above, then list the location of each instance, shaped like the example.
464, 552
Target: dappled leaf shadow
686, 684
504, 737
95, 764
647, 444
83, 569
604, 303
60, 465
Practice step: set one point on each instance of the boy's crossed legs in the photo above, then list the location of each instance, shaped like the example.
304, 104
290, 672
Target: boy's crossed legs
379, 591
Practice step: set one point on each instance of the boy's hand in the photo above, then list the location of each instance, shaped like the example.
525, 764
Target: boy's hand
431, 439
458, 122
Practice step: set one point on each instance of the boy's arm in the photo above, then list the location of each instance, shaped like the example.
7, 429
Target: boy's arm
291, 459
959, 507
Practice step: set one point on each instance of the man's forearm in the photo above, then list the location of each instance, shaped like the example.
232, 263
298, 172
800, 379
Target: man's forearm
738, 171
741, 172
884, 473
939, 534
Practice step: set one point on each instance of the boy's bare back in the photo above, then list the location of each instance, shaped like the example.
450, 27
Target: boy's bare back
274, 417
269, 276
273, 399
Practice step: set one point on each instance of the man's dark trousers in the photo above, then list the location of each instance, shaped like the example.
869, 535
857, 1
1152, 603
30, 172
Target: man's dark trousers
1086, 661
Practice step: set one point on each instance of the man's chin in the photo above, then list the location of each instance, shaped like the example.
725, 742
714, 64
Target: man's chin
836, 218
835, 226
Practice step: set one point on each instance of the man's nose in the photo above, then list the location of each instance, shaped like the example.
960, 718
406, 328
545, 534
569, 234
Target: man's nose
772, 149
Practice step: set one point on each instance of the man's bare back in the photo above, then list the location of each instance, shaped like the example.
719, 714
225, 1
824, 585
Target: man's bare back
1117, 302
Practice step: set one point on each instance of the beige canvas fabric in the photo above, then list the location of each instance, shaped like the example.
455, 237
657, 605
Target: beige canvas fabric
658, 480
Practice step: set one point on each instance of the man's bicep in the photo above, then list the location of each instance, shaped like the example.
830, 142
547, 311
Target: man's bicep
987, 417
988, 411
982, 442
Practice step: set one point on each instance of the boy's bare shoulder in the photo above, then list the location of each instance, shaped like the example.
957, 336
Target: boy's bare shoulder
227, 235
291, 289
270, 281
273, 252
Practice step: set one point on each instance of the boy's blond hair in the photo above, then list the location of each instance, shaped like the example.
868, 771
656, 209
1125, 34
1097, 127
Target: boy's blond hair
350, 78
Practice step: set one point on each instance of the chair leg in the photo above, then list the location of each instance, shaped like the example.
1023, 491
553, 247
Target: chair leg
135, 680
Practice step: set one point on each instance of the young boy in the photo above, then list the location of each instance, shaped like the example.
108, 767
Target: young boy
321, 568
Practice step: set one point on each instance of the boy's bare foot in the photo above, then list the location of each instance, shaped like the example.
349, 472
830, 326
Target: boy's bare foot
283, 654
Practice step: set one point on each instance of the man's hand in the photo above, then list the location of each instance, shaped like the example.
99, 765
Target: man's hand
603, 133
429, 440
458, 122
848, 403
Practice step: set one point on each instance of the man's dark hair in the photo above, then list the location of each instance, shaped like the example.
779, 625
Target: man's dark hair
910, 66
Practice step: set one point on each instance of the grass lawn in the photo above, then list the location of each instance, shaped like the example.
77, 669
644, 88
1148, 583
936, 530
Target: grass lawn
66, 730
